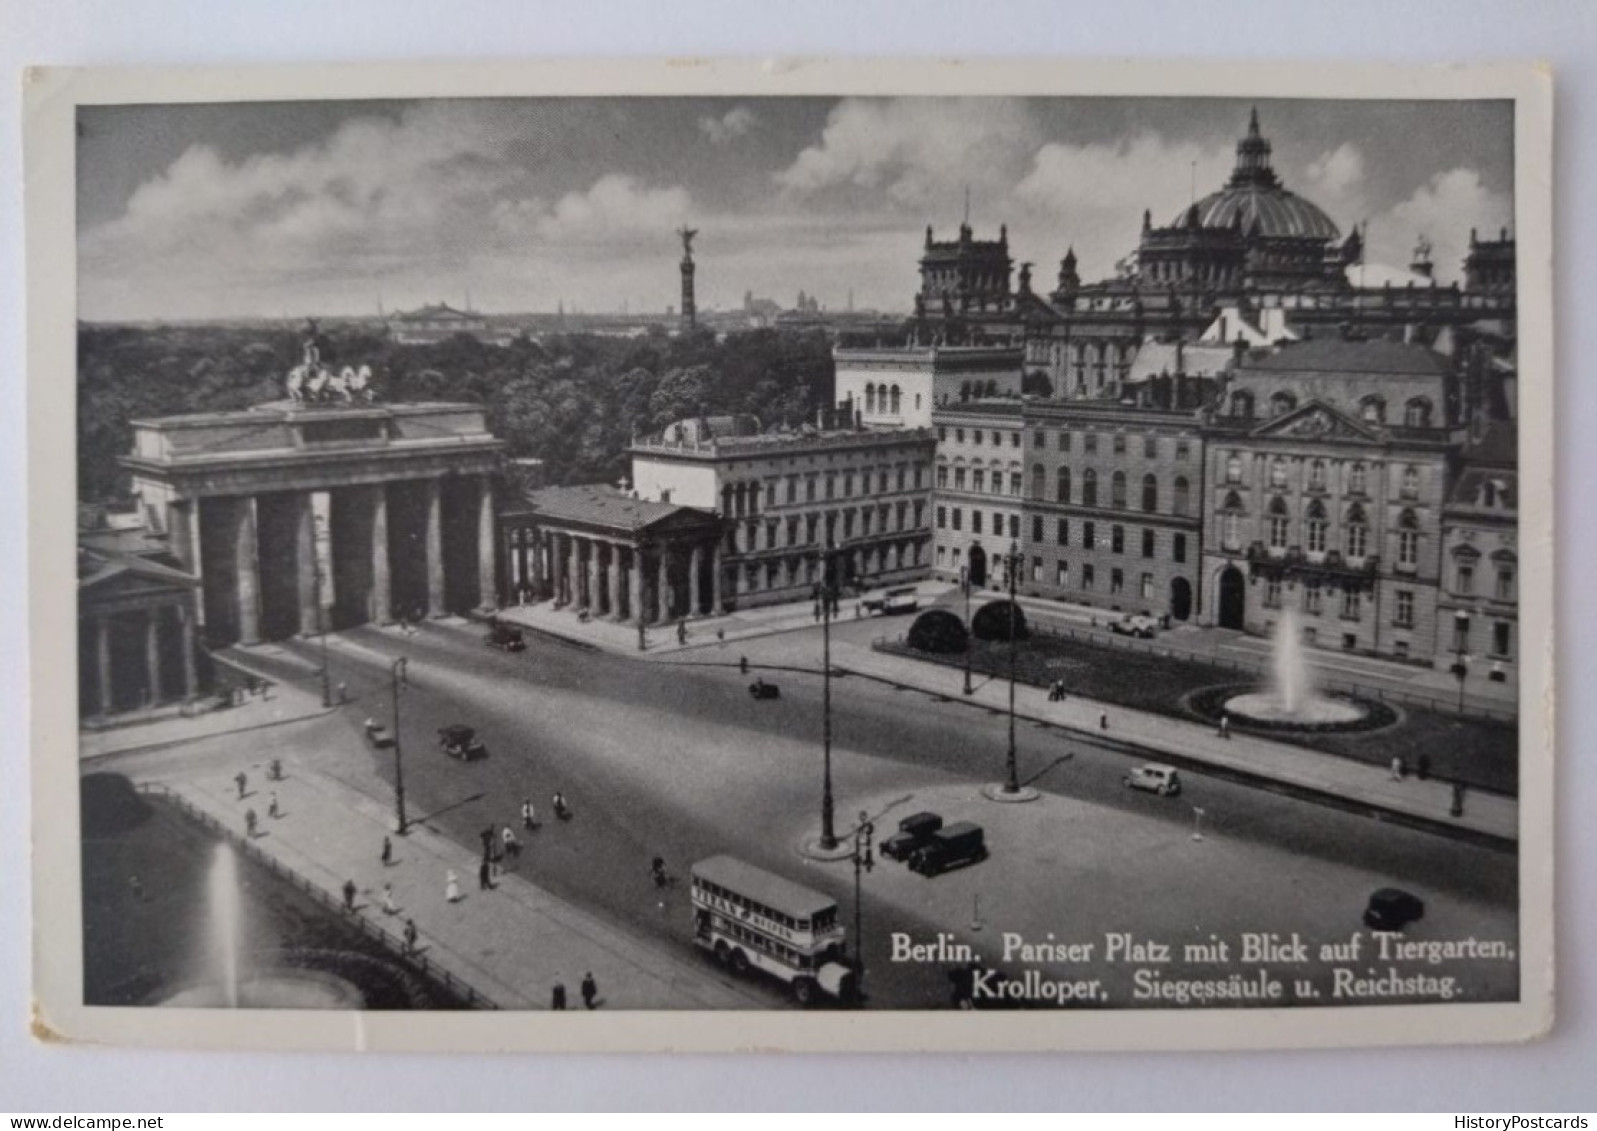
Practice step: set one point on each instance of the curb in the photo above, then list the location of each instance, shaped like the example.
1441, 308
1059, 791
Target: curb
319, 713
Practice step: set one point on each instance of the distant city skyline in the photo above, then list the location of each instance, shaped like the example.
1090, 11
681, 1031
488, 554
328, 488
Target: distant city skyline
282, 209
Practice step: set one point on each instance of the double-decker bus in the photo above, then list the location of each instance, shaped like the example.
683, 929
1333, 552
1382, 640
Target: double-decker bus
749, 917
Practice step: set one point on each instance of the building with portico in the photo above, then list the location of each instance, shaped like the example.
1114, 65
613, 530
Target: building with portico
294, 518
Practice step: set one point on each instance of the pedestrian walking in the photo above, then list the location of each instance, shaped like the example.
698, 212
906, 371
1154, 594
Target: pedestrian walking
557, 996
817, 611
1397, 768
590, 990
451, 887
488, 836
388, 852
558, 804
271, 808
1103, 720
388, 900
1458, 799
410, 936
1225, 726
743, 664
343, 692
682, 632
512, 845
485, 880
720, 636
349, 895
275, 770
529, 815
240, 780
249, 821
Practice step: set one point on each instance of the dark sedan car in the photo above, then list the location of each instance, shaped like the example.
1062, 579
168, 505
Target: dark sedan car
1392, 909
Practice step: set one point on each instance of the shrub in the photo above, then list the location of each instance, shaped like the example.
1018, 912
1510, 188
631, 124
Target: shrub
938, 630
992, 621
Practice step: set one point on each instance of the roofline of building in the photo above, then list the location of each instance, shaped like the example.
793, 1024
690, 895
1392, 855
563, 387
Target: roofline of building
263, 413
741, 447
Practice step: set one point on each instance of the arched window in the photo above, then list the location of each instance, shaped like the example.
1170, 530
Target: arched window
895, 398
1411, 482
1150, 493
1417, 413
1117, 490
1356, 538
1231, 522
1372, 410
1282, 403
1089, 488
1039, 481
1314, 523
1408, 539
1358, 479
1242, 404
1062, 485
1317, 475
1278, 472
1233, 468
1181, 500
1280, 524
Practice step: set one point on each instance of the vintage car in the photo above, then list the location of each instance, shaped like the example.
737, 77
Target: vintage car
1131, 625
1155, 778
913, 832
950, 847
378, 735
461, 742
760, 689
505, 637
1392, 909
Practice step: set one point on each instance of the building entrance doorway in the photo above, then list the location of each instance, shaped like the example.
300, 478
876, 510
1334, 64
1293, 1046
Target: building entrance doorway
978, 566
1180, 598
1233, 598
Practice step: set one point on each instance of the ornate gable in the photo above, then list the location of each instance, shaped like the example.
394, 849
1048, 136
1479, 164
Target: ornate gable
1318, 421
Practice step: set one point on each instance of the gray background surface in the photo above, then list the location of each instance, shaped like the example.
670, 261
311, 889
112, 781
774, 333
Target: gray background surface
1547, 1076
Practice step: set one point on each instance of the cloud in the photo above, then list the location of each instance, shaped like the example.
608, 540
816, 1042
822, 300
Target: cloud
1443, 210
733, 124
1335, 181
915, 153
617, 208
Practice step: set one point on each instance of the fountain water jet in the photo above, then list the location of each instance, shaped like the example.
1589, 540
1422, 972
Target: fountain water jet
226, 919
1292, 698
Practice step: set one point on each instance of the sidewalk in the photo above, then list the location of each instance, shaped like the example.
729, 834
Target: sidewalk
1487, 817
279, 703
510, 945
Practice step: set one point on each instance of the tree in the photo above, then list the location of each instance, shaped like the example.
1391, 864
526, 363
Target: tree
938, 630
992, 621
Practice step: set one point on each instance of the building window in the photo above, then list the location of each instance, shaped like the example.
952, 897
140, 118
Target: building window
1231, 531
1403, 615
1117, 488
942, 553
1358, 533
1178, 548
1014, 439
1062, 485
1040, 439
1417, 413
1120, 443
956, 516
1311, 598
809, 490
1408, 549
1117, 539
1089, 538
1062, 574
1036, 569
1183, 450
1180, 501
1280, 525
1233, 468
1062, 532
959, 478
1036, 528
1086, 576
1350, 604
975, 437
1411, 482
1147, 543
1064, 441
1014, 525
1117, 580
1358, 479
1089, 443
1147, 587
1272, 593
1502, 638
1460, 634
1282, 403
831, 486
1089, 487
1278, 472
959, 435
1372, 410
978, 479
1038, 481
1466, 579
1150, 447
942, 433
1314, 528
1505, 583
998, 439
942, 478
975, 522
1317, 475
1150, 493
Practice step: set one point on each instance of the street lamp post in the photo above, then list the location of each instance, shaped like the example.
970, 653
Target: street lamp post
964, 583
862, 860
824, 595
1461, 660
1012, 565
401, 825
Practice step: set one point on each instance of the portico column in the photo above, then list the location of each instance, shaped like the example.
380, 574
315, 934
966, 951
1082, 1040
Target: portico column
662, 588
102, 655
307, 568
573, 570
635, 587
195, 562
593, 577
615, 580
187, 628
248, 586
382, 591
435, 548
695, 590
152, 652
716, 568
485, 543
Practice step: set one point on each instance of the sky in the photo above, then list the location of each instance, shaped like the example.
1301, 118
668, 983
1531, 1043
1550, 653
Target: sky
285, 209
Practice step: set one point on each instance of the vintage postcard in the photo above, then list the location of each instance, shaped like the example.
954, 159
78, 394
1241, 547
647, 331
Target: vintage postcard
805, 555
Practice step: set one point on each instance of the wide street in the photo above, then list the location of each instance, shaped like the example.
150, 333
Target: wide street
675, 759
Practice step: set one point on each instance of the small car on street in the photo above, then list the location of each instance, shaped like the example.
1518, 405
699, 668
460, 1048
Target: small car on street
1155, 778
1392, 909
507, 638
460, 741
950, 847
913, 832
1143, 628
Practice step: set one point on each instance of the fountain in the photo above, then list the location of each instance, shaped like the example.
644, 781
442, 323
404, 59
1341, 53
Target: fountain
236, 979
1291, 699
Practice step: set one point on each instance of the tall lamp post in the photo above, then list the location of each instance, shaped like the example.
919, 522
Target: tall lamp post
1461, 660
826, 594
1012, 567
401, 825
964, 583
863, 860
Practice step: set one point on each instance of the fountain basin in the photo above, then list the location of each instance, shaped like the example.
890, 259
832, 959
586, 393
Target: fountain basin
1311, 711
287, 989
1251, 707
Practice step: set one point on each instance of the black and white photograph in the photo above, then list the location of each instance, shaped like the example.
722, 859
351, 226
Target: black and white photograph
961, 565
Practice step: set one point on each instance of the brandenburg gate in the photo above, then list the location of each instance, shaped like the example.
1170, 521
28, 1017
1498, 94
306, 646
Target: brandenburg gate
298, 518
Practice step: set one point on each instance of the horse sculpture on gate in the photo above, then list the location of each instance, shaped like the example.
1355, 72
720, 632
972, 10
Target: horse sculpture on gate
312, 382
